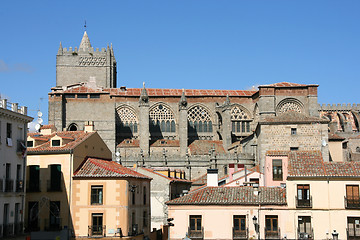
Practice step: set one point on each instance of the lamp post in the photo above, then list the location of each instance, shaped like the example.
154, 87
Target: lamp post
256, 225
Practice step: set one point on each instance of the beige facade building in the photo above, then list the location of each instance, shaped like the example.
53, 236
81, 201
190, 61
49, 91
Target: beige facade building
53, 157
109, 200
13, 130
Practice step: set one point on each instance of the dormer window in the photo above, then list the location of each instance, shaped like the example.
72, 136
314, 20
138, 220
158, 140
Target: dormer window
30, 143
55, 143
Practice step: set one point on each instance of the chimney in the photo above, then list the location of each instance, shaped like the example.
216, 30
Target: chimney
212, 178
89, 126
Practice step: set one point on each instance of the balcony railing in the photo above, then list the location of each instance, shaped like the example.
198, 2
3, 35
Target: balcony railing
305, 235
303, 203
53, 224
8, 229
96, 230
272, 234
196, 234
33, 186
9, 185
53, 186
19, 186
240, 234
352, 203
18, 228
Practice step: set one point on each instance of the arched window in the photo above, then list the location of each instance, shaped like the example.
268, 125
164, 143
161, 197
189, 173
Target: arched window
73, 127
240, 120
161, 118
199, 120
127, 121
289, 105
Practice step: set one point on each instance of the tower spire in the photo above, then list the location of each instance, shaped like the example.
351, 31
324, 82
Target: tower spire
60, 51
85, 42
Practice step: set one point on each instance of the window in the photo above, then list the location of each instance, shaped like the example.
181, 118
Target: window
70, 96
133, 196
352, 196
293, 131
9, 183
271, 225
33, 222
353, 229
94, 95
161, 119
304, 227
239, 223
30, 143
144, 196
240, 120
55, 143
34, 178
73, 127
195, 223
277, 170
97, 224
303, 195
54, 218
145, 219
294, 148
19, 182
9, 134
55, 178
126, 123
82, 96
97, 195
199, 120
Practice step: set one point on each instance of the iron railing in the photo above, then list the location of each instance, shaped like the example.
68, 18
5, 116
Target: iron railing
18, 228
96, 230
353, 233
306, 235
272, 234
303, 203
352, 203
9, 185
53, 187
8, 229
240, 234
196, 234
33, 186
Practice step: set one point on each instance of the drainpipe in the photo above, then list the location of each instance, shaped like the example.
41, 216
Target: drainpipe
70, 191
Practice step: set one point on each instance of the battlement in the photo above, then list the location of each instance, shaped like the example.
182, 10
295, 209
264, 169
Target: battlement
76, 51
13, 107
339, 107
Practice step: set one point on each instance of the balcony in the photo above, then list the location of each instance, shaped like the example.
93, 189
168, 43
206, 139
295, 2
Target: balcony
33, 186
305, 235
353, 233
240, 234
96, 231
19, 186
196, 234
352, 203
303, 203
272, 234
9, 185
53, 186
8, 229
53, 224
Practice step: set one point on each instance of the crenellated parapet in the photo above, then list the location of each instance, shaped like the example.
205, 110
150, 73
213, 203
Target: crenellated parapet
339, 107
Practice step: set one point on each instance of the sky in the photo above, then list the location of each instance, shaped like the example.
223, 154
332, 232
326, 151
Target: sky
191, 44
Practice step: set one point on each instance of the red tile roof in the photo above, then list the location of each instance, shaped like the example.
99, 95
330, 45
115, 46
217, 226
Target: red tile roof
96, 167
334, 137
129, 143
284, 84
49, 126
311, 164
165, 143
76, 136
202, 147
240, 195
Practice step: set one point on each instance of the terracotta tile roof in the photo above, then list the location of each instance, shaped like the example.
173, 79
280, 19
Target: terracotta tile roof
129, 143
77, 136
78, 89
96, 167
277, 153
241, 195
171, 179
292, 117
200, 180
311, 164
202, 147
334, 137
284, 84
49, 126
165, 143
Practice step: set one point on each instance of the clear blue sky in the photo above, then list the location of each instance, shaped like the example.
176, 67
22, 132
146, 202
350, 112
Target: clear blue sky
204, 44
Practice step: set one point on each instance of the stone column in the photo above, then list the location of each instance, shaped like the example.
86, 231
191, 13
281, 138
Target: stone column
183, 125
144, 133
226, 124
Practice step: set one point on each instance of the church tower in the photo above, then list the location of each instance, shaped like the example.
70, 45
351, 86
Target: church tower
84, 64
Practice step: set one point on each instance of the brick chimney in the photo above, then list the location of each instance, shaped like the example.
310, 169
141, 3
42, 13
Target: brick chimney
89, 126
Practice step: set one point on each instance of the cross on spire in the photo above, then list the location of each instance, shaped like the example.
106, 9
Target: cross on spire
85, 25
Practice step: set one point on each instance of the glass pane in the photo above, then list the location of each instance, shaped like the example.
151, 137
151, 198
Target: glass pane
192, 223
236, 224
198, 224
268, 224
275, 224
243, 224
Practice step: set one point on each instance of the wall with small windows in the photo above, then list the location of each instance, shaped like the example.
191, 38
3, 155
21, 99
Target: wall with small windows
275, 170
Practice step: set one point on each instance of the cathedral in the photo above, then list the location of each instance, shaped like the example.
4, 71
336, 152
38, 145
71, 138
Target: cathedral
194, 129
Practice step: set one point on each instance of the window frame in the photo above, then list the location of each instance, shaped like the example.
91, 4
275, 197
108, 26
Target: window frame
196, 219
239, 227
97, 195
276, 168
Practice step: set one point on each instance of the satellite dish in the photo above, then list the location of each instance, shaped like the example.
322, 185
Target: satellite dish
323, 143
37, 127
39, 114
117, 154
40, 120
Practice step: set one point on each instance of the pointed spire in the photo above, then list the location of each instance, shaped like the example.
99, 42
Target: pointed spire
85, 42
183, 101
144, 97
60, 51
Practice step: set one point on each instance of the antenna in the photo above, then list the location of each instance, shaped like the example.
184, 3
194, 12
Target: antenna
85, 25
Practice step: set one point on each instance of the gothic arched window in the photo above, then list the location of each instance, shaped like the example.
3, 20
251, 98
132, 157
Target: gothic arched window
240, 120
161, 119
127, 121
199, 120
289, 105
